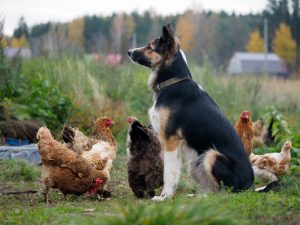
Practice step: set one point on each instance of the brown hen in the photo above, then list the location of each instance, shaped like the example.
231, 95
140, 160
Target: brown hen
270, 165
99, 149
243, 127
66, 170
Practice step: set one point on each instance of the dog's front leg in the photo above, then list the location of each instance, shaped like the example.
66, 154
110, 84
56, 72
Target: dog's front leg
172, 163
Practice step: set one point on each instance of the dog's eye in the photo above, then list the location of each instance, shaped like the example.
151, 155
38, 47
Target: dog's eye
149, 48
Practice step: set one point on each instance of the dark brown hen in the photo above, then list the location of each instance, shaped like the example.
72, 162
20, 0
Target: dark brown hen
145, 163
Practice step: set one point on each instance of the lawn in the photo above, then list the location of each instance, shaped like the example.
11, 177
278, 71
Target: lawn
123, 208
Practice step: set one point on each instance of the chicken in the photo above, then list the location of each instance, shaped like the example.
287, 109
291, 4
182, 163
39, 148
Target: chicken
100, 149
145, 163
259, 133
270, 165
243, 127
102, 131
262, 135
66, 170
95, 151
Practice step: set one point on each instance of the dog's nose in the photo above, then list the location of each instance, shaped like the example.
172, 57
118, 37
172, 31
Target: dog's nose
129, 52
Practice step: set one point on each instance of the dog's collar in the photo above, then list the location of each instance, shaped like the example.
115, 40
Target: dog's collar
157, 88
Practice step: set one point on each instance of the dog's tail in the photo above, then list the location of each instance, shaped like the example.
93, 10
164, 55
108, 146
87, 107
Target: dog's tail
274, 186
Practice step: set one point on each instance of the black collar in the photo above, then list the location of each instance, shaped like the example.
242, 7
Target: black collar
157, 88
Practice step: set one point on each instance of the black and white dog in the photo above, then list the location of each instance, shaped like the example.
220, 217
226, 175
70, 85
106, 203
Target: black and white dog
189, 122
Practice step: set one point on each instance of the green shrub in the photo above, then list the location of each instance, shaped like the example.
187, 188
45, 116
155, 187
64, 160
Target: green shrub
9, 72
45, 102
279, 125
296, 149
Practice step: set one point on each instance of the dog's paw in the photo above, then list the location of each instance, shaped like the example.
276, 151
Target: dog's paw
196, 195
159, 198
191, 195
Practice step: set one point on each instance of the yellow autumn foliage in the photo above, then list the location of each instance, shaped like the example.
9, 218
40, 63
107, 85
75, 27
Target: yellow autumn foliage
75, 31
19, 42
3, 41
255, 43
284, 45
186, 30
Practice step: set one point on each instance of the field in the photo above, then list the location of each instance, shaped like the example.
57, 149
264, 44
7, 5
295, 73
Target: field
80, 90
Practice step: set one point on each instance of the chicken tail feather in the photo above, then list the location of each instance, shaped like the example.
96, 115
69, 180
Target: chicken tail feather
274, 186
43, 133
68, 134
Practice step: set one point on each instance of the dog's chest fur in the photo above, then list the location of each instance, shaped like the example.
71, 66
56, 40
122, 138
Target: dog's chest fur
154, 118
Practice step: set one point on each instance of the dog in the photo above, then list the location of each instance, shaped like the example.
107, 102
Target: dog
189, 122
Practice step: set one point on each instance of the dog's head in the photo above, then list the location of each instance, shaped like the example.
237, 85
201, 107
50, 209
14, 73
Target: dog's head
157, 51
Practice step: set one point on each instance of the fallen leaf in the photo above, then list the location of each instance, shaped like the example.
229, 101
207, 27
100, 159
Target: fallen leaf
89, 210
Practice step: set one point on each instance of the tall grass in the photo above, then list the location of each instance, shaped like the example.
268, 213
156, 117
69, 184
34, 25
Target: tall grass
96, 89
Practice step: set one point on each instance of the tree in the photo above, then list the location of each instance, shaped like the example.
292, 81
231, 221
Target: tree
186, 30
284, 45
75, 31
121, 32
19, 42
96, 33
142, 24
255, 43
295, 26
21, 35
40, 29
22, 29
277, 12
3, 41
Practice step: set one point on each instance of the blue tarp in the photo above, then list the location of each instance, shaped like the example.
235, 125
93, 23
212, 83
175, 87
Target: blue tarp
28, 153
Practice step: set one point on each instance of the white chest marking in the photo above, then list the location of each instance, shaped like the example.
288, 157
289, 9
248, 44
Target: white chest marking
183, 56
154, 118
152, 78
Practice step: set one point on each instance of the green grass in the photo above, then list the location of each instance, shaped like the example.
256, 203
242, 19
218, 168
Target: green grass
17, 170
123, 208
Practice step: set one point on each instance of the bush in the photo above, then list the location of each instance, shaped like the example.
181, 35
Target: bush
45, 102
9, 72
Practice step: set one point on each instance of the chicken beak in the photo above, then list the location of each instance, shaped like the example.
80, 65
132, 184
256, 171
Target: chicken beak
131, 120
109, 123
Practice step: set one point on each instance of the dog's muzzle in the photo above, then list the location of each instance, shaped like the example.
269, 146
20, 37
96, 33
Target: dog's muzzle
138, 57
130, 52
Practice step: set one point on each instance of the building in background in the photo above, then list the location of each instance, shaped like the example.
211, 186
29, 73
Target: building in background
13, 52
255, 63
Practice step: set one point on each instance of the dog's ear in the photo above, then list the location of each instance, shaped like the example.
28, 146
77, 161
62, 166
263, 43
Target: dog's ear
167, 41
167, 33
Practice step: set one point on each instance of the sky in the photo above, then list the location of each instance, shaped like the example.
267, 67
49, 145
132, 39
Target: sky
38, 11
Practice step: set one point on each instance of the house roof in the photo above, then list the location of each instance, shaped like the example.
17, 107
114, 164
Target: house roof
13, 52
255, 63
256, 56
